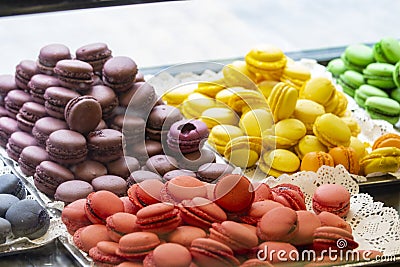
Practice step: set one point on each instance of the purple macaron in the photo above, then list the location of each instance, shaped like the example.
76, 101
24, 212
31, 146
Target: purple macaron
119, 73
187, 136
30, 158
7, 83
105, 145
106, 97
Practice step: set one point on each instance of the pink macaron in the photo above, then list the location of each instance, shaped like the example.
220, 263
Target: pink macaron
279, 224
333, 198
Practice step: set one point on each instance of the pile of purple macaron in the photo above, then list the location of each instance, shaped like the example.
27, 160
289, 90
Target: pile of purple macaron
19, 216
88, 121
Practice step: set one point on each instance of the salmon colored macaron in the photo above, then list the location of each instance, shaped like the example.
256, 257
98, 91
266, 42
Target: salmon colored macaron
290, 196
136, 246
328, 237
279, 224
234, 193
74, 216
347, 157
181, 188
333, 198
87, 237
201, 212
104, 254
120, 224
387, 140
262, 192
185, 234
208, 252
160, 218
101, 204
145, 193
258, 209
168, 255
312, 161
329, 219
235, 235
307, 223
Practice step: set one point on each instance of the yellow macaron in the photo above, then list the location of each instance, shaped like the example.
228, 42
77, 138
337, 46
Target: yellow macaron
282, 101
309, 143
384, 159
267, 60
359, 147
353, 125
237, 74
332, 131
195, 104
318, 89
243, 151
223, 96
337, 105
221, 135
266, 87
279, 161
286, 134
219, 115
295, 75
256, 121
248, 99
177, 95
210, 88
308, 111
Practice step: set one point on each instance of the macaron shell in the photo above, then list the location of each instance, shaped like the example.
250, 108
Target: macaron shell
347, 157
185, 234
285, 221
331, 130
333, 198
87, 237
282, 101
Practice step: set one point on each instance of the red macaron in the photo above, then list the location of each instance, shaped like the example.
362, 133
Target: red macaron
104, 254
74, 216
328, 237
145, 193
101, 204
290, 196
87, 237
120, 224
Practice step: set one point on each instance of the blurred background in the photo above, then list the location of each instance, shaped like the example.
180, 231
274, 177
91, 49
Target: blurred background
167, 33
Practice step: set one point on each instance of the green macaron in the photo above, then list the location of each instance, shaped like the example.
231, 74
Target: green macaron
383, 108
365, 91
380, 75
336, 67
350, 80
387, 50
357, 57
395, 94
396, 74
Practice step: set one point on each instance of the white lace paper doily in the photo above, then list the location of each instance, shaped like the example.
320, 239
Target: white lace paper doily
15, 245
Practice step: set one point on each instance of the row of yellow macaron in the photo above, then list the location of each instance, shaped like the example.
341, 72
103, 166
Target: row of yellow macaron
268, 110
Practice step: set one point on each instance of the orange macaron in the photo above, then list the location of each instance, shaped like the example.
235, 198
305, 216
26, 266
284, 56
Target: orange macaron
312, 161
347, 157
387, 140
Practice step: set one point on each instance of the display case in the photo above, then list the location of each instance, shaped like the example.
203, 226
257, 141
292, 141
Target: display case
193, 37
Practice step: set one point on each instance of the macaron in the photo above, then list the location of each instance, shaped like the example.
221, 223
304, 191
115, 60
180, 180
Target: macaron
210, 172
38, 84
245, 100
139, 100
49, 55
243, 151
365, 91
384, 160
183, 188
192, 161
136, 246
74, 74
219, 115
96, 54
11, 184
235, 235
185, 234
331, 130
383, 108
387, 140
101, 204
234, 193
295, 75
285, 221
7, 83
145, 193
119, 73
83, 114
282, 101
357, 56
24, 72
169, 254
159, 218
347, 157
222, 134
307, 112
278, 161
256, 121
318, 89
307, 223
7, 127
178, 172
161, 164
396, 74
327, 237
201, 212
45, 126
30, 158
89, 236
285, 134
308, 143
160, 120
14, 100
74, 217
313, 160
289, 195
209, 252
350, 81
123, 166
56, 98
5, 230
142, 175
120, 224
28, 114
336, 67
88, 170
211, 88
28, 219
380, 75
17, 142
338, 105
334, 198
72, 190
66, 147
387, 50
105, 145
395, 94
187, 136
236, 73
111, 183
107, 99
104, 253
257, 210
6, 200
329, 219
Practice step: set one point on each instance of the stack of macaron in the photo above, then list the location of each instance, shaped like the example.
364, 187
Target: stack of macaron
371, 76
194, 222
20, 216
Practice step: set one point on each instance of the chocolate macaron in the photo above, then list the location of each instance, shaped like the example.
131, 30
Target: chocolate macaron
83, 114
66, 147
30, 158
133, 128
7, 83
49, 55
106, 97
45, 126
123, 166
29, 113
96, 54
119, 73
139, 100
17, 142
14, 101
7, 127
88, 170
38, 85
160, 120
24, 72
49, 175
105, 145
74, 74
56, 98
